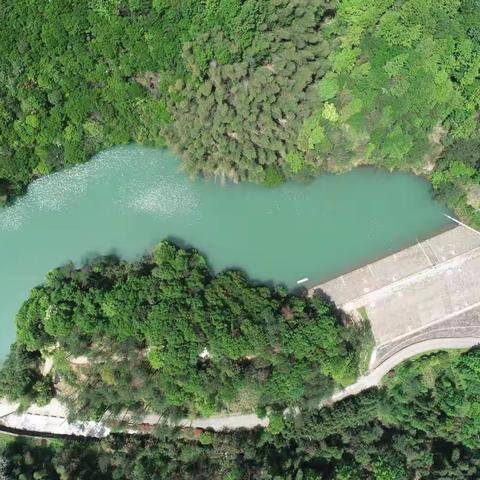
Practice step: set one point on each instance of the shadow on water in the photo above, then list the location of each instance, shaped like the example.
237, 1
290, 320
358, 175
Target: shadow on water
93, 256
182, 243
271, 284
312, 228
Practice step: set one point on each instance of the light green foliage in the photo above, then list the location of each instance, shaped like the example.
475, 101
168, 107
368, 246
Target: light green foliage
330, 112
295, 161
238, 87
351, 108
328, 87
395, 66
245, 90
273, 176
276, 423
384, 470
401, 70
456, 172
368, 344
344, 60
206, 438
311, 135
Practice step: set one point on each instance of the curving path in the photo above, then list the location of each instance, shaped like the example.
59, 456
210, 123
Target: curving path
374, 378
53, 418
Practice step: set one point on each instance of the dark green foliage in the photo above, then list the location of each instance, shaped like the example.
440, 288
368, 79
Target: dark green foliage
20, 377
164, 334
71, 82
243, 89
457, 179
77, 77
376, 83
25, 458
438, 394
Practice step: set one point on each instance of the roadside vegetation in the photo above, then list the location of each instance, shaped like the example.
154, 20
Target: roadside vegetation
245, 89
166, 335
423, 424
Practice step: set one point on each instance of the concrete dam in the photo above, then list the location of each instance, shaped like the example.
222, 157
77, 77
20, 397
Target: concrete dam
420, 296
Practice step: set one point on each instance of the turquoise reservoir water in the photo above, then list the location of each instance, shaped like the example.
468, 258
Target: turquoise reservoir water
127, 199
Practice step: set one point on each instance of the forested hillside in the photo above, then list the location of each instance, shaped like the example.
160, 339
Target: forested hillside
423, 425
165, 335
245, 89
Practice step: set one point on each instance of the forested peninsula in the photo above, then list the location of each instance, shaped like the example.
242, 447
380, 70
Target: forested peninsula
164, 335
245, 90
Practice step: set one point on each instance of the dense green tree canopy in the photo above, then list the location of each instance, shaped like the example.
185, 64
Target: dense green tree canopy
242, 120
243, 89
77, 77
403, 76
166, 334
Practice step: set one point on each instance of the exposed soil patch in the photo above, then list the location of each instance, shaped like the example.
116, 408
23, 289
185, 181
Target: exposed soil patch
149, 80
